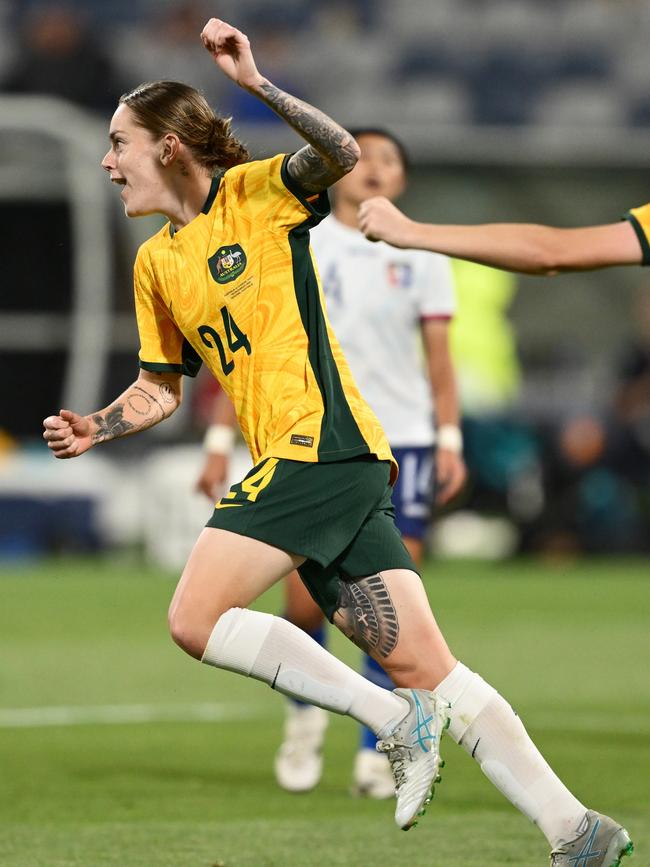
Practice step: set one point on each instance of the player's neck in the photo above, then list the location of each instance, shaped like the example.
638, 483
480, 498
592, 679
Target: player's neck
345, 212
186, 198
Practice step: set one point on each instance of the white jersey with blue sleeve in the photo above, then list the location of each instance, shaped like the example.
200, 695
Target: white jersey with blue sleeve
377, 297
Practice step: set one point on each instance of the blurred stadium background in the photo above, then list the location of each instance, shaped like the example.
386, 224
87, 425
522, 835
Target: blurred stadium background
513, 110
524, 110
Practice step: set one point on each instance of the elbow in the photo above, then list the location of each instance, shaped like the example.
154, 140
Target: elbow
549, 254
542, 262
349, 155
172, 396
178, 400
546, 271
552, 267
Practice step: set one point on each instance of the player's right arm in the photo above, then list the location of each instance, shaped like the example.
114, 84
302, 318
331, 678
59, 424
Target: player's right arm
521, 247
152, 398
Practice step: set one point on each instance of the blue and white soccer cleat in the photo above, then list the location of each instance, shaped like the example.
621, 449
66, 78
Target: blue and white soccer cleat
413, 750
602, 843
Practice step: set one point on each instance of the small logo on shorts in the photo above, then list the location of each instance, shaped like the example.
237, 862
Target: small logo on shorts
227, 263
298, 440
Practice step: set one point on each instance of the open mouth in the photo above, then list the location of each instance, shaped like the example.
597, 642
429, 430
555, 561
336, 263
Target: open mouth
120, 181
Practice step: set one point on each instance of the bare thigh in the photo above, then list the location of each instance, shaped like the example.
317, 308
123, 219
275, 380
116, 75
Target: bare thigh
299, 607
225, 570
388, 616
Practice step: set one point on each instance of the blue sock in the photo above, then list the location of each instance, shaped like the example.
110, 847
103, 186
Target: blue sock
319, 637
373, 672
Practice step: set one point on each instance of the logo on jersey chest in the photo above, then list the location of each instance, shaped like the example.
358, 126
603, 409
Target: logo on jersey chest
227, 263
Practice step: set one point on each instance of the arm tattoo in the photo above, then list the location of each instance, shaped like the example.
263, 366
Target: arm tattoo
331, 152
143, 403
167, 393
367, 616
112, 425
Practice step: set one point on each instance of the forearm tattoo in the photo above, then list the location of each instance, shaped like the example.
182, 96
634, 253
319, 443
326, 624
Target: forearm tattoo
367, 616
331, 151
111, 425
142, 403
145, 404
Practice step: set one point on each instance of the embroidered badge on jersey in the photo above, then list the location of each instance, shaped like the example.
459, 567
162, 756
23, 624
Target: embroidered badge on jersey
227, 263
400, 274
300, 440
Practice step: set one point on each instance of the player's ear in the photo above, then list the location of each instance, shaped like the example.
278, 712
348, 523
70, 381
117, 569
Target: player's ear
169, 147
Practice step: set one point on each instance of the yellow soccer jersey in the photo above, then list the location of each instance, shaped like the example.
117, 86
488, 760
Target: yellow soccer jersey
640, 220
237, 289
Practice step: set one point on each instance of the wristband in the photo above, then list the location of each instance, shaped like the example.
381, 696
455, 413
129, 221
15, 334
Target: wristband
219, 439
450, 438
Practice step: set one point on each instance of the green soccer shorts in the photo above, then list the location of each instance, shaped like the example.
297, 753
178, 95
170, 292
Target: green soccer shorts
338, 515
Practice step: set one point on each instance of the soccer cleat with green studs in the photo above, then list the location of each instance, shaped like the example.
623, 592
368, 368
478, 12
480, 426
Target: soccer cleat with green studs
413, 750
602, 843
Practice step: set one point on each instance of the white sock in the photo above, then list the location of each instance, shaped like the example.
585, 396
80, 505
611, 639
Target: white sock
275, 651
485, 725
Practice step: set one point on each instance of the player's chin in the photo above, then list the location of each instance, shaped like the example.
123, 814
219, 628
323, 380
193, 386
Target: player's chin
131, 209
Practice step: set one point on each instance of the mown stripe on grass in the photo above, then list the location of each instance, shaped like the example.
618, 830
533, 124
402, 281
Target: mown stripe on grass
126, 714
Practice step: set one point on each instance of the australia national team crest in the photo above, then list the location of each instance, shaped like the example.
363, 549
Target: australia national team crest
227, 263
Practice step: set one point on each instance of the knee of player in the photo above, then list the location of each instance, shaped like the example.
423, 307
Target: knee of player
188, 630
419, 670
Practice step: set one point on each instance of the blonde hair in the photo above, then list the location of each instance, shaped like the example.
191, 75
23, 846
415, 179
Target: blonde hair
162, 107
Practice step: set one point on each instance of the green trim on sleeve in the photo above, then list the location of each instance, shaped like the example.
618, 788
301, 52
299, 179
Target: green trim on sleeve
190, 366
318, 207
641, 235
155, 367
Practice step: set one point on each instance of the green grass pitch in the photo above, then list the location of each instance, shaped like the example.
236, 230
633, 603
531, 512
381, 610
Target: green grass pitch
153, 760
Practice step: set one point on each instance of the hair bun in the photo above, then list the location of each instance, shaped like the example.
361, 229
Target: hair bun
222, 141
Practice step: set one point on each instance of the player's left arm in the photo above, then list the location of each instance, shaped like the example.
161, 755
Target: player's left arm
331, 151
450, 467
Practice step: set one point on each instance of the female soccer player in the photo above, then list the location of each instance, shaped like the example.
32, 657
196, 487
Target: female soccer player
384, 306
229, 281
523, 247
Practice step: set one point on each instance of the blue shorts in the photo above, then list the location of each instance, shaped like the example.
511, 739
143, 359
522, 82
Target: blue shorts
413, 495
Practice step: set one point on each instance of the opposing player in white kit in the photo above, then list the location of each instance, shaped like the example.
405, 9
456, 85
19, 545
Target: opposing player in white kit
390, 310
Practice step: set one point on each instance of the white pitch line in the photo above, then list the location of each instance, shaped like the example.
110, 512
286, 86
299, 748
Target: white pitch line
125, 714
